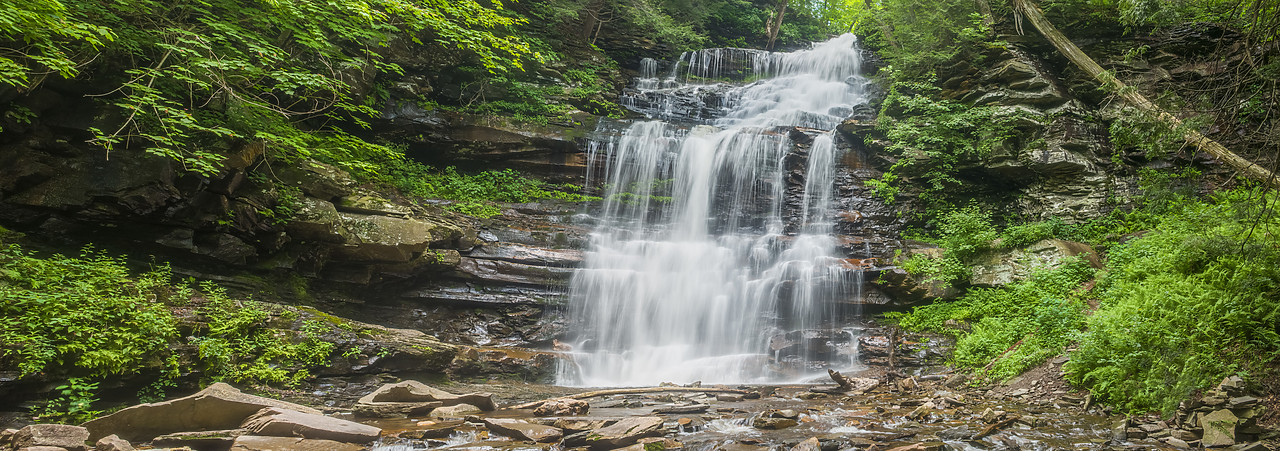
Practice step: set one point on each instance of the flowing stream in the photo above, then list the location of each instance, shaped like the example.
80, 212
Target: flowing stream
713, 259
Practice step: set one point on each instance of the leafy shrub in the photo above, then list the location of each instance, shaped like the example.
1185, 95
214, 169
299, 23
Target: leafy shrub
934, 139
1014, 327
1190, 302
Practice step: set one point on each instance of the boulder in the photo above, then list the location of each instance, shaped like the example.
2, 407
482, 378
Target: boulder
55, 435
763, 422
808, 445
1219, 428
625, 432
562, 407
522, 430
220, 406
113, 443
456, 411
273, 421
258, 443
1001, 268
413, 397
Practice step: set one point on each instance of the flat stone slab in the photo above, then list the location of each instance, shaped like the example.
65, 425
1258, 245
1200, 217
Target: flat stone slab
625, 432
273, 421
259, 443
220, 406
523, 430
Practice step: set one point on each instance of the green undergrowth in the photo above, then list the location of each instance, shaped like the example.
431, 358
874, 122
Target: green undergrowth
90, 318
1194, 300
933, 139
1012, 328
1190, 294
473, 194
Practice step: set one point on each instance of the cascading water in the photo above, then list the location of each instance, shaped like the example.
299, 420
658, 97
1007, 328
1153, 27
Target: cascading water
714, 248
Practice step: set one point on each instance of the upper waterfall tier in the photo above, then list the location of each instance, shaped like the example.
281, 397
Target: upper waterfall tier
808, 88
714, 249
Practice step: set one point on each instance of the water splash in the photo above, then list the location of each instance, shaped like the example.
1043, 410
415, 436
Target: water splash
715, 235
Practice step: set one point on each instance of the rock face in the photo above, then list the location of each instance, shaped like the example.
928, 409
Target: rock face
277, 422
1002, 268
219, 406
63, 436
411, 397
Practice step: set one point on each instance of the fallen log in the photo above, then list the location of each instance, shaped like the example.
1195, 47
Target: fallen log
1084, 62
632, 391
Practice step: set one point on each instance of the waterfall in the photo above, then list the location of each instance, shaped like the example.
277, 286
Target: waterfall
714, 251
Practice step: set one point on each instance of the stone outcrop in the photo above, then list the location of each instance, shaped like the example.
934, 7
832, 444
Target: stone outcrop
1001, 268
219, 406
413, 397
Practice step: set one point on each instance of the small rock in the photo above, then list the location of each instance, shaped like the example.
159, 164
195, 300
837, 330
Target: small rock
1219, 428
784, 413
42, 448
434, 430
1019, 392
522, 430
1176, 443
808, 445
56, 435
1183, 434
573, 426
773, 423
1242, 402
992, 416
956, 381
1150, 427
277, 422
1119, 430
1213, 401
1135, 434
261, 443
562, 407
730, 397
113, 443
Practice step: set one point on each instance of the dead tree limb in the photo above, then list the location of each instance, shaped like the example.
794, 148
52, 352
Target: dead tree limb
1068, 49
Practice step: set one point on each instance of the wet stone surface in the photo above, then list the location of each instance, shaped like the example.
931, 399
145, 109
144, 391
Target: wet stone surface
930, 415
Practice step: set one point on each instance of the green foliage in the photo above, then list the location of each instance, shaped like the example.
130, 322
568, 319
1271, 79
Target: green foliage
45, 28
201, 72
72, 406
91, 318
239, 346
933, 139
962, 234
1190, 302
83, 312
925, 35
1014, 327
472, 194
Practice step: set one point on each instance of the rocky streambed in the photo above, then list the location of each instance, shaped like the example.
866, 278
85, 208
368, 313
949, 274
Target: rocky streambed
884, 411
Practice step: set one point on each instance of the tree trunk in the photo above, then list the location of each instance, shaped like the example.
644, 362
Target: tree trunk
1087, 64
775, 25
